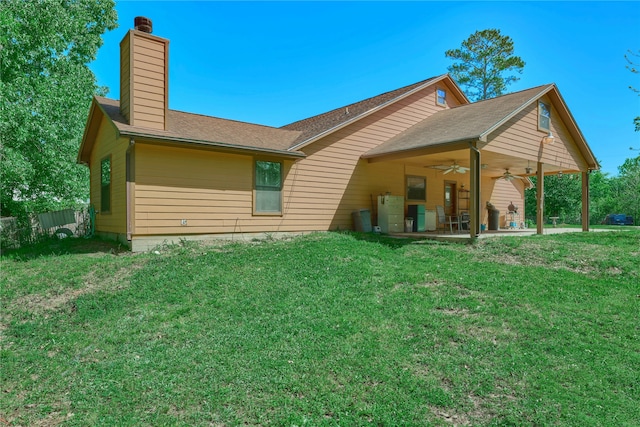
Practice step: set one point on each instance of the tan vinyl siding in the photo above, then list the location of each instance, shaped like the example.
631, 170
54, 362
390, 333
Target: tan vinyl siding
521, 138
213, 191
144, 80
332, 181
501, 193
125, 78
107, 145
150, 79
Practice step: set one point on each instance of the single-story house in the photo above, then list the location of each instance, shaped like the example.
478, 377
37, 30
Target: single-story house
162, 175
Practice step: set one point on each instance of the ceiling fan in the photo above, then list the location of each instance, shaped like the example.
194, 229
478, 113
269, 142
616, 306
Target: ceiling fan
508, 176
455, 168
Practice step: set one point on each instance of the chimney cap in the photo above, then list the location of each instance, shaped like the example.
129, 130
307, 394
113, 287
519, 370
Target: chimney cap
143, 24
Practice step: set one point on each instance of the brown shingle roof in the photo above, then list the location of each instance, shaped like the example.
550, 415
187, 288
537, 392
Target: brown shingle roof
196, 128
317, 125
463, 123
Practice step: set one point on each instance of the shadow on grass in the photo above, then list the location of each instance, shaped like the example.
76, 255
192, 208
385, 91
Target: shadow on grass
54, 246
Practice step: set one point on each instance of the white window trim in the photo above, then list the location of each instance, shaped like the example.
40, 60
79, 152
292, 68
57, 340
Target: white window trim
442, 104
548, 106
255, 193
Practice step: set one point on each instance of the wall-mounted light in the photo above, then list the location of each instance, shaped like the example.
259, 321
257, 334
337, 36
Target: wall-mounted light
549, 139
559, 174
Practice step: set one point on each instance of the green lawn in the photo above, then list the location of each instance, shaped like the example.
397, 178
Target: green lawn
324, 330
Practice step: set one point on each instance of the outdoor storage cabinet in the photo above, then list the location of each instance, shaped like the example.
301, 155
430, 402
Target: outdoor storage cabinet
417, 212
391, 214
362, 220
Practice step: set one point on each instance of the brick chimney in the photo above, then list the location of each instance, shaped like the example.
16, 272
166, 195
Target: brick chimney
144, 76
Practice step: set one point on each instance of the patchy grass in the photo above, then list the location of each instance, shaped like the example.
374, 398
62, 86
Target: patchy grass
325, 329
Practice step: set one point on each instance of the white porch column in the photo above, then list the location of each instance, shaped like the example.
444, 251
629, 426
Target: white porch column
540, 199
585, 201
474, 192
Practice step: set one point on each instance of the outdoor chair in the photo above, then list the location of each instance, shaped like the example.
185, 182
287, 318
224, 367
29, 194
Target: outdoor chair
444, 220
463, 221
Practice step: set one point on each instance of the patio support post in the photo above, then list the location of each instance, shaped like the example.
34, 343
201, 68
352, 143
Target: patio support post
585, 201
540, 199
474, 191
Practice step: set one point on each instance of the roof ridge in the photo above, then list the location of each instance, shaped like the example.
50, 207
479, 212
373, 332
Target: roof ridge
506, 94
362, 101
208, 116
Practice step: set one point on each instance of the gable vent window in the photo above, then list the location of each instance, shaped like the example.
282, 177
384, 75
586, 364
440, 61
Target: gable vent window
441, 97
268, 188
105, 185
544, 116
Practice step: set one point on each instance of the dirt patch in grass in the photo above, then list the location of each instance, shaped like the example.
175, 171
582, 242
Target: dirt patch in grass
477, 409
403, 285
39, 303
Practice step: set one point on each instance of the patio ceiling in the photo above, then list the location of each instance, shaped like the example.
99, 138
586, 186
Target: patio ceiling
495, 163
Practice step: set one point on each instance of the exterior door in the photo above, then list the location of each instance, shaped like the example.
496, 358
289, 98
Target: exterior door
450, 198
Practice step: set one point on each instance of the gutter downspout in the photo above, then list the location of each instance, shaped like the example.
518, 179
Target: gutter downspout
130, 187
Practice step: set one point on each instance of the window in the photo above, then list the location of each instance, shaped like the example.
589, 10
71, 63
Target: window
441, 97
417, 188
544, 116
268, 187
105, 185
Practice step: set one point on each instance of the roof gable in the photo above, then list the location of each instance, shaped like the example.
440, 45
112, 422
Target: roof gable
475, 122
469, 122
321, 125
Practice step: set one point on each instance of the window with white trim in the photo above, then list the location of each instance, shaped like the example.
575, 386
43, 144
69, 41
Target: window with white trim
441, 97
544, 116
268, 188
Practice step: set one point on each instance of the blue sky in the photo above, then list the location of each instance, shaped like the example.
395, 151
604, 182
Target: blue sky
277, 62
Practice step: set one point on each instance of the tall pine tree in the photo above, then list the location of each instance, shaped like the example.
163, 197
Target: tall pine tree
485, 64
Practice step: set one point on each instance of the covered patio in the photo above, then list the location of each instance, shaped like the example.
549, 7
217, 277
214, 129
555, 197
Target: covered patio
496, 146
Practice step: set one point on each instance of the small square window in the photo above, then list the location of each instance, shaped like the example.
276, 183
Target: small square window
417, 188
441, 97
544, 116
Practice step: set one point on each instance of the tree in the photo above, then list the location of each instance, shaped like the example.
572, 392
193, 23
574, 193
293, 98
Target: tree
562, 198
631, 66
629, 188
45, 92
485, 64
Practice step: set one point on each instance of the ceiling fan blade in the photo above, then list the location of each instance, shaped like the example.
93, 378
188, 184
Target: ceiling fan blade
447, 171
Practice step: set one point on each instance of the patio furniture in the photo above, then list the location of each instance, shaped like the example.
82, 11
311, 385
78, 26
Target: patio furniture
463, 220
444, 220
512, 219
